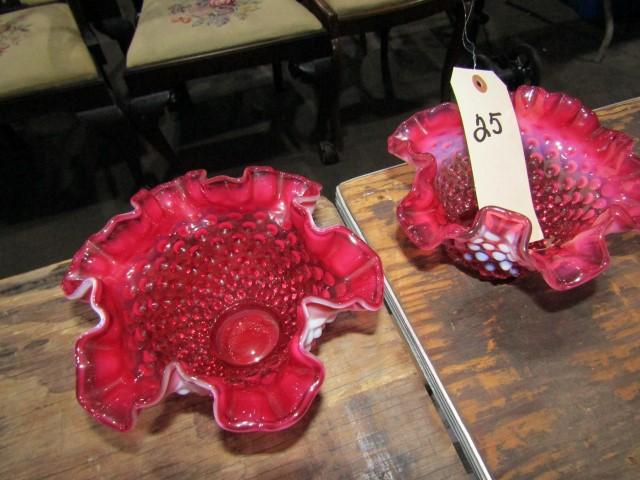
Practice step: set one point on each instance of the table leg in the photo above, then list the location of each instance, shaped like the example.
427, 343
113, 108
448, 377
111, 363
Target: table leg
608, 32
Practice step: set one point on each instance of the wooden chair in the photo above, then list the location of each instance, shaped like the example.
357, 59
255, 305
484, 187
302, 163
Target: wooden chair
45, 63
357, 17
179, 40
50, 62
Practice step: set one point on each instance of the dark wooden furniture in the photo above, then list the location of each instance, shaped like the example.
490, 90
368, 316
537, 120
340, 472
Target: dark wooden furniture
171, 75
76, 96
536, 383
381, 19
373, 418
71, 96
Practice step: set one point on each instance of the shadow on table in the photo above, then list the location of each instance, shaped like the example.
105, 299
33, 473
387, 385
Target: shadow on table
422, 260
531, 284
551, 300
364, 323
270, 442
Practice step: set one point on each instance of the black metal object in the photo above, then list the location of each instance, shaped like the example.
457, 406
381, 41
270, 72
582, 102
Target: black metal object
380, 20
518, 65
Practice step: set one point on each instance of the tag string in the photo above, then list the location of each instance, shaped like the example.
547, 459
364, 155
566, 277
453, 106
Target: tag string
468, 45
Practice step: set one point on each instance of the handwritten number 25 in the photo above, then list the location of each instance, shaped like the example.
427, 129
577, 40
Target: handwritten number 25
482, 132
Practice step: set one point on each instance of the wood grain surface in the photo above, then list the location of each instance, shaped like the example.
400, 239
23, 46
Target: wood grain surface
546, 383
372, 420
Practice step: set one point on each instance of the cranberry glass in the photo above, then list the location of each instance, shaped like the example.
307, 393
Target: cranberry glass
584, 179
216, 286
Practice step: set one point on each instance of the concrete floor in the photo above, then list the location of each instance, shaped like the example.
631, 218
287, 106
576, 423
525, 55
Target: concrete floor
50, 204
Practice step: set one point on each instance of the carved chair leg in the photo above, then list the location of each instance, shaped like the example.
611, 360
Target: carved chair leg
326, 78
148, 128
384, 64
334, 92
455, 52
135, 168
363, 43
110, 178
278, 82
608, 33
276, 109
130, 155
151, 133
88, 163
9, 137
180, 99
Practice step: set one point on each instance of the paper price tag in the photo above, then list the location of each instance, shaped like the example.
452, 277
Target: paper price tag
495, 147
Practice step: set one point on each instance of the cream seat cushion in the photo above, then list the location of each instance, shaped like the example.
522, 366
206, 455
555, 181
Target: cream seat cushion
353, 7
41, 47
172, 29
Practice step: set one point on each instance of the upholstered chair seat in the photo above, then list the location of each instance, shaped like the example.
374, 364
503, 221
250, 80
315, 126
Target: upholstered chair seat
42, 48
173, 29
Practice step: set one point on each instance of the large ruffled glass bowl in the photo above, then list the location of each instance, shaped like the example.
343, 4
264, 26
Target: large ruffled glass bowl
216, 286
584, 179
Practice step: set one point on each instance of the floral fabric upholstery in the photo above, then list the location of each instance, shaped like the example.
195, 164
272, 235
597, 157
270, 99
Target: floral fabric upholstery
40, 48
173, 29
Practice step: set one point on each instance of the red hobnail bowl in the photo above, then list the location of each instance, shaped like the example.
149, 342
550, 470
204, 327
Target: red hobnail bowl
216, 286
584, 178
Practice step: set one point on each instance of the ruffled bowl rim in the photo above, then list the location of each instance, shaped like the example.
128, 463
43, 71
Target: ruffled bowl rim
567, 112
317, 312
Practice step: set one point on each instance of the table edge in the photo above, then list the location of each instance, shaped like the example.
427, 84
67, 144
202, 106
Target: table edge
627, 101
440, 395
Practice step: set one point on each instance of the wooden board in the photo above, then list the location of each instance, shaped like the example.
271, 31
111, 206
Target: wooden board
546, 384
373, 418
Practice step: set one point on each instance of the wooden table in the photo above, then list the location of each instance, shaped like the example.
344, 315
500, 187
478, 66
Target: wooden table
536, 383
373, 418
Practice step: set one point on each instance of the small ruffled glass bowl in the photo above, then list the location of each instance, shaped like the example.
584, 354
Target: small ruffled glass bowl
585, 185
216, 286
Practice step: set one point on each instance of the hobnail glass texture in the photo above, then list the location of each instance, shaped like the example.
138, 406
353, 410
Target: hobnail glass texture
216, 286
584, 179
